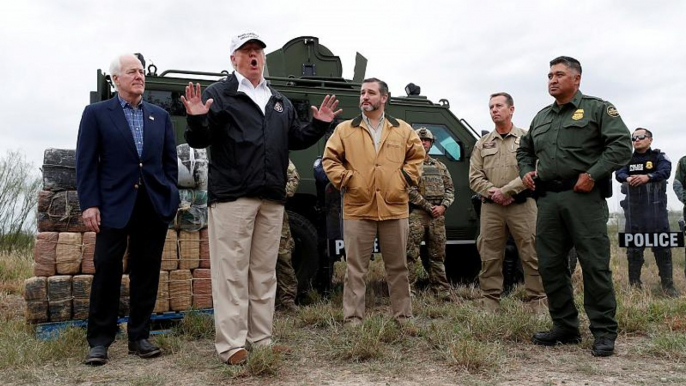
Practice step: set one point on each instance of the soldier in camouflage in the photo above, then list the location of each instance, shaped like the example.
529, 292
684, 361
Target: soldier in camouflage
428, 203
286, 281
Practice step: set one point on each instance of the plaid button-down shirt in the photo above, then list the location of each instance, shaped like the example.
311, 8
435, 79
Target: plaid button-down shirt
134, 116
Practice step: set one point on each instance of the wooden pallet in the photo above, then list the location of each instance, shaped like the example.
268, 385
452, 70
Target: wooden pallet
51, 331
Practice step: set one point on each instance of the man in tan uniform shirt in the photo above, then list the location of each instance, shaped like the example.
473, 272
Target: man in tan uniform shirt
507, 206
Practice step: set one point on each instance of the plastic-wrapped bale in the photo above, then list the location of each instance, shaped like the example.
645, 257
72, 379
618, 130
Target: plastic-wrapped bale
81, 290
60, 310
192, 167
59, 212
202, 288
170, 254
36, 311
180, 290
59, 298
81, 286
36, 288
192, 213
204, 248
124, 295
59, 287
59, 169
87, 265
162, 302
44, 253
189, 250
68, 253
36, 297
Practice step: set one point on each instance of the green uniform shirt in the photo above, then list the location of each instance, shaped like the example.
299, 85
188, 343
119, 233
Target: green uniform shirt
585, 135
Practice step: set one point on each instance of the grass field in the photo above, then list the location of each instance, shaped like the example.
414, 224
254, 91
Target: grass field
448, 343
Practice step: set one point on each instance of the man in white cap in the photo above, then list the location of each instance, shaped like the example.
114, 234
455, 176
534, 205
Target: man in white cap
249, 128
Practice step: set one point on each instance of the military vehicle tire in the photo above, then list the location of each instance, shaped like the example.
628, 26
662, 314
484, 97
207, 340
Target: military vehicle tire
305, 255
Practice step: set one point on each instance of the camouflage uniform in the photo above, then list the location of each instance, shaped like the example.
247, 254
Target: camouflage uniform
286, 281
435, 188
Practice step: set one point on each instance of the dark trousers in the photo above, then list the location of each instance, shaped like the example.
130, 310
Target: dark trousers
567, 219
146, 233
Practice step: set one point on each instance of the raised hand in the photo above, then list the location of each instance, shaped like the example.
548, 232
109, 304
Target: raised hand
193, 100
327, 111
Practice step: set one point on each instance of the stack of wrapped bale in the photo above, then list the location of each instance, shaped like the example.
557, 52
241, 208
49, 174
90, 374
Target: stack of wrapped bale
64, 248
191, 224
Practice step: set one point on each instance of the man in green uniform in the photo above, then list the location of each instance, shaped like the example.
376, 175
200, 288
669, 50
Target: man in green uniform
507, 207
428, 203
568, 156
286, 281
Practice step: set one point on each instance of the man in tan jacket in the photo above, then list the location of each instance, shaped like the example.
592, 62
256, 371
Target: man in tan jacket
372, 160
507, 206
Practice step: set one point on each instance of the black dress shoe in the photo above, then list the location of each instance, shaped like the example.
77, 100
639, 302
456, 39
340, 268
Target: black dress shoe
603, 347
556, 336
144, 349
96, 356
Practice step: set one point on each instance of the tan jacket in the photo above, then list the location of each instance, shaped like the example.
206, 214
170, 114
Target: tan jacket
494, 163
374, 185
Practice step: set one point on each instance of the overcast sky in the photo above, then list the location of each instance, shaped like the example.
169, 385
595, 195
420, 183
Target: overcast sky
631, 52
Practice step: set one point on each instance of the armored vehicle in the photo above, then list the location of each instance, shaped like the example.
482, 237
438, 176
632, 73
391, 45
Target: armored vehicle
305, 71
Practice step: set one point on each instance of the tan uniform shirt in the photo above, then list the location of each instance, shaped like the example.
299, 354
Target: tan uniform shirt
494, 163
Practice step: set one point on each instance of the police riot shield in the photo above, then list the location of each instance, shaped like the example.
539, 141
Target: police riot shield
646, 222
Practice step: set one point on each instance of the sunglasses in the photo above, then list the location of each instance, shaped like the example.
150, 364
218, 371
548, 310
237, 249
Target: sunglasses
639, 137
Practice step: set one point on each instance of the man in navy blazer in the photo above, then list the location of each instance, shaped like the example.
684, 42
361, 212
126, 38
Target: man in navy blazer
126, 175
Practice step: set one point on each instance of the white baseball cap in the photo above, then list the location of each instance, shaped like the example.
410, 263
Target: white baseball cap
239, 40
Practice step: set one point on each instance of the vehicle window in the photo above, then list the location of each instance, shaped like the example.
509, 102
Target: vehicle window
168, 100
444, 142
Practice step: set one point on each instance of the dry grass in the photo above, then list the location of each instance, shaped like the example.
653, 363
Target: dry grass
454, 342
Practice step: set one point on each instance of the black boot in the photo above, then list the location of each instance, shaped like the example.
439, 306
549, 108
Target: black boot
635, 258
663, 258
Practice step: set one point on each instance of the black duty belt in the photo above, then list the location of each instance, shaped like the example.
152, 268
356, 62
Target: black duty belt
556, 185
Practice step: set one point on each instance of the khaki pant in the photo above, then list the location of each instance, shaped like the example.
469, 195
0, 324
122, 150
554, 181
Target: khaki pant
244, 241
359, 242
496, 220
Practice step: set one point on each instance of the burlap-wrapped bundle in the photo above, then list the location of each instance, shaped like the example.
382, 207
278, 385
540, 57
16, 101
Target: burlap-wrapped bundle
59, 287
204, 248
59, 212
36, 288
80, 309
81, 286
36, 311
44, 253
170, 254
162, 302
59, 310
68, 253
88, 251
180, 290
59, 169
189, 250
202, 288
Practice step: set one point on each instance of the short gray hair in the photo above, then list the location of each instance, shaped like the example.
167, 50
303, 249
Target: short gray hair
115, 66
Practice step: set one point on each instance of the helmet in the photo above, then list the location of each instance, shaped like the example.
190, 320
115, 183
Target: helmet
424, 133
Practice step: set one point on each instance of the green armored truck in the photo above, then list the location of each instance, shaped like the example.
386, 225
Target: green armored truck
305, 71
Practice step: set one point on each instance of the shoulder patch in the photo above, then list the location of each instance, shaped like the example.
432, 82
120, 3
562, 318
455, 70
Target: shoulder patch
612, 111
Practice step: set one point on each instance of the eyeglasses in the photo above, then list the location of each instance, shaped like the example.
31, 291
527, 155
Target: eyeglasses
639, 137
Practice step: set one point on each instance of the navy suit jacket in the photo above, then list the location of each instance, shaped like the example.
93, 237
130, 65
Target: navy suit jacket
108, 168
